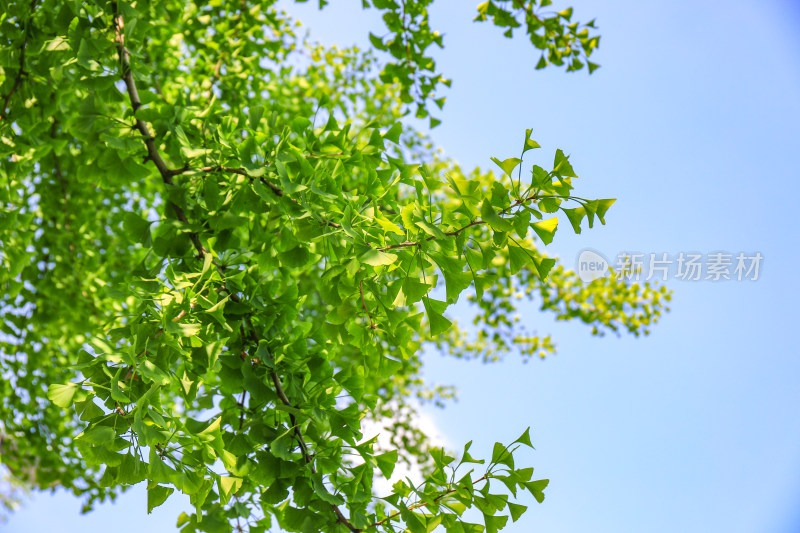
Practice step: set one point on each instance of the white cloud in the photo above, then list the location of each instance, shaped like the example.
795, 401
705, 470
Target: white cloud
422, 421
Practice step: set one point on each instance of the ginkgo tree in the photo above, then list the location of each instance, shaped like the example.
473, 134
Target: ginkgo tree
223, 251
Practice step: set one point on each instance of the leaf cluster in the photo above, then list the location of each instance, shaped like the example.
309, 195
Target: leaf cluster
222, 252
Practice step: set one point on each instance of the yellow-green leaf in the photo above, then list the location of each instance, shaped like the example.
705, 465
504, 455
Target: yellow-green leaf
376, 258
546, 229
62, 395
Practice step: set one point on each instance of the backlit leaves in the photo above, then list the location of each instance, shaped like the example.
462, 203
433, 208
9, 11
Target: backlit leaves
220, 260
62, 395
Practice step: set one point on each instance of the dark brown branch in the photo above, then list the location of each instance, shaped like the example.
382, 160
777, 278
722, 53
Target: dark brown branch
298, 434
149, 140
166, 176
21, 72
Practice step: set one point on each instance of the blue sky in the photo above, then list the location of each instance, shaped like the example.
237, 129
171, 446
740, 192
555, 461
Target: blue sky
692, 123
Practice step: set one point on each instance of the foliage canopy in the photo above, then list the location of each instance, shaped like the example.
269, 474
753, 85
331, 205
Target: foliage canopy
223, 251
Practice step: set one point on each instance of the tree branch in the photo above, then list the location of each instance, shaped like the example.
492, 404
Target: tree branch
242, 172
453, 233
141, 126
166, 176
423, 504
298, 434
21, 72
406, 244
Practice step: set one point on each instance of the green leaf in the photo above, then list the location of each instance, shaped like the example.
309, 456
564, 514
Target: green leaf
97, 436
467, 458
131, 470
536, 488
516, 510
456, 282
407, 215
430, 229
494, 523
521, 221
386, 463
116, 391
376, 258
525, 438
530, 144
575, 216
411, 292
322, 491
546, 229
435, 309
157, 495
501, 455
518, 257
183, 330
543, 266
549, 205
149, 371
88, 409
602, 207
389, 226
495, 221
229, 484
539, 176
62, 395
137, 228
542, 63
393, 133
508, 165
561, 165
376, 42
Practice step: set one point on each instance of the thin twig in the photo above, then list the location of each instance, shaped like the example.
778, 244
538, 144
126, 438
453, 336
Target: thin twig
242, 172
423, 504
279, 390
406, 244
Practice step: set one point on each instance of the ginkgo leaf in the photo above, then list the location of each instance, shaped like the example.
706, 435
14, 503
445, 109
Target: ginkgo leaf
377, 258
62, 395
561, 165
530, 144
546, 229
575, 215
507, 165
435, 310
495, 221
271, 246
389, 226
157, 495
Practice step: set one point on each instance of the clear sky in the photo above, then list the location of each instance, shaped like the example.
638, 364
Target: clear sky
693, 123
